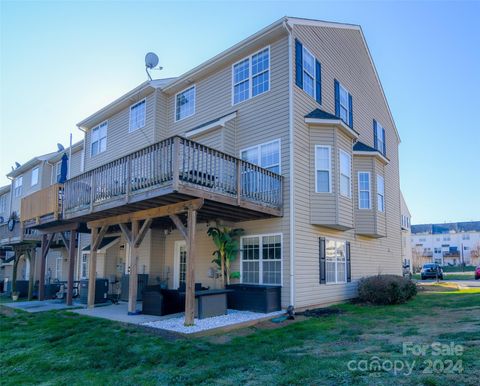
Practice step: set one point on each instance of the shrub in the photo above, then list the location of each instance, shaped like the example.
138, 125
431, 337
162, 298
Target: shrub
386, 289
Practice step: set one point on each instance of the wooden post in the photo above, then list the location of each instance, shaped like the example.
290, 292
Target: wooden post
41, 279
190, 269
71, 268
92, 268
133, 277
31, 276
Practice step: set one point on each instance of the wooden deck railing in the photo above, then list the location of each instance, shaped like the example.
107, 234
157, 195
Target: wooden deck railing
18, 234
44, 202
173, 162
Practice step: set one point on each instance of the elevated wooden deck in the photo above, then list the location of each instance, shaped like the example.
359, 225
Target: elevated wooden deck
170, 171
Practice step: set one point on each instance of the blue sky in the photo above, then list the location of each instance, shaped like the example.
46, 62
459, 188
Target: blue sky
62, 61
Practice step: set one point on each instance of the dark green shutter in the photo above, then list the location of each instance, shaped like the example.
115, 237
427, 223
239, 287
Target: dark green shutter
384, 142
350, 110
375, 139
318, 81
298, 64
323, 278
349, 265
337, 98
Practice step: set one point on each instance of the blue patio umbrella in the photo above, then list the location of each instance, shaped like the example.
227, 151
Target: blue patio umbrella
63, 169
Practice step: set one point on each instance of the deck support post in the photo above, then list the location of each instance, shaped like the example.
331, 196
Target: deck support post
31, 274
133, 276
71, 267
92, 268
190, 269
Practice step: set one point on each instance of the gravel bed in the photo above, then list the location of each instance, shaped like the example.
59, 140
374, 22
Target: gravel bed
232, 317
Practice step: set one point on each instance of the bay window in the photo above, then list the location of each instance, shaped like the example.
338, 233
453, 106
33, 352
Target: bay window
345, 174
323, 166
364, 190
380, 193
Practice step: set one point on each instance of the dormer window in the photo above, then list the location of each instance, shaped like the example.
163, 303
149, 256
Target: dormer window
137, 115
185, 104
99, 139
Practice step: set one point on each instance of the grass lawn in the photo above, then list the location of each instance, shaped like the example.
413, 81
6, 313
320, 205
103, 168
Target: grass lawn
453, 276
65, 348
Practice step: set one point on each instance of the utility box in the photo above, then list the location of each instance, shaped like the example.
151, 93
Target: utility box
101, 291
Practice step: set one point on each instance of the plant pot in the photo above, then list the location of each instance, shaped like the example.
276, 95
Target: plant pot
15, 296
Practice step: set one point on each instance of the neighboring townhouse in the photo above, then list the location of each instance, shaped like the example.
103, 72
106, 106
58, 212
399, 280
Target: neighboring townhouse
405, 225
287, 135
38, 178
446, 244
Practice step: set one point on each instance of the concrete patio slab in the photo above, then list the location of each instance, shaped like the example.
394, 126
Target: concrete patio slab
119, 312
42, 306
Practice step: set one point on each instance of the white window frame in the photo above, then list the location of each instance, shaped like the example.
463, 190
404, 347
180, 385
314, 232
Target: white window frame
18, 186
194, 102
380, 138
349, 176
36, 173
381, 194
99, 151
176, 263
260, 258
84, 264
363, 190
259, 147
336, 261
58, 267
329, 168
313, 76
132, 107
57, 171
340, 88
250, 76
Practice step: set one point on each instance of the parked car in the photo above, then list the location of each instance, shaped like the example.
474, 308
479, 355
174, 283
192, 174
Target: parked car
431, 271
477, 273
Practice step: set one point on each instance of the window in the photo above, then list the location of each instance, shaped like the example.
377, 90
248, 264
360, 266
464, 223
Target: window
3, 203
58, 268
17, 186
137, 116
99, 139
251, 76
379, 137
84, 266
35, 176
261, 259
380, 193
308, 73
185, 104
345, 174
182, 271
323, 165
465, 237
344, 105
364, 190
266, 155
335, 261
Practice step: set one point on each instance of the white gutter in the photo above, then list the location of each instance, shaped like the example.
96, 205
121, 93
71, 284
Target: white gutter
292, 169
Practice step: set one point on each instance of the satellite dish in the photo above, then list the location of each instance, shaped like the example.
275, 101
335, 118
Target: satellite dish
60, 147
17, 165
151, 60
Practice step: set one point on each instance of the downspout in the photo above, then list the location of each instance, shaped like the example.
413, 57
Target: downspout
292, 169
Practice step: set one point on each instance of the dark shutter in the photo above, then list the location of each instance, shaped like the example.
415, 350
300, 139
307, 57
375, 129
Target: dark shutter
350, 110
318, 81
384, 142
322, 260
337, 98
298, 63
349, 265
375, 139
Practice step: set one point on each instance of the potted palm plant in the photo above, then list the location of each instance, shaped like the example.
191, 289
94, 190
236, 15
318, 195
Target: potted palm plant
227, 243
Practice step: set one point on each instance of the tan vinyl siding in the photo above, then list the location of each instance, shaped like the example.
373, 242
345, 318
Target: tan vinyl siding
343, 57
119, 140
213, 138
345, 204
76, 163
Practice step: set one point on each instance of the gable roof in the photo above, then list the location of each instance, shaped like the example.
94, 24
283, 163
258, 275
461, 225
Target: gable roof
455, 227
30, 164
319, 23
